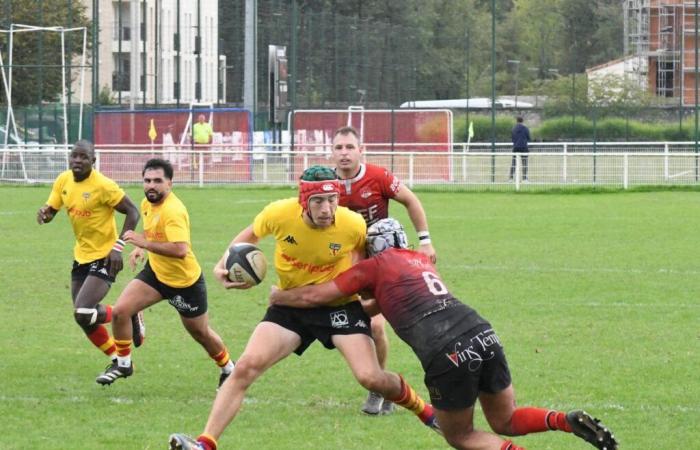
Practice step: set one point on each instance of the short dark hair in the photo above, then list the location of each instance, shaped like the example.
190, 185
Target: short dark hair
519, 119
347, 130
85, 145
158, 163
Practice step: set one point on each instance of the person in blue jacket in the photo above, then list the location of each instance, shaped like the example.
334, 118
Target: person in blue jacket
520, 136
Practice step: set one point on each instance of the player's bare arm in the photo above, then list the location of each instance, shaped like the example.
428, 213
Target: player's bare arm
45, 214
369, 304
171, 249
415, 210
126, 207
310, 296
220, 272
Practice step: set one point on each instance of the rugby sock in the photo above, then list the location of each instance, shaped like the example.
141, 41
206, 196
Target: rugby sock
509, 445
108, 314
409, 399
223, 360
534, 420
207, 441
101, 339
123, 352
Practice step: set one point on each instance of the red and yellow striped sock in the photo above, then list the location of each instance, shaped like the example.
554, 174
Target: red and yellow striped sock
409, 399
207, 441
535, 420
222, 358
101, 339
123, 347
509, 445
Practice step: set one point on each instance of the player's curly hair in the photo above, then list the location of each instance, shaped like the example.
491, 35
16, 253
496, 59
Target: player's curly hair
318, 173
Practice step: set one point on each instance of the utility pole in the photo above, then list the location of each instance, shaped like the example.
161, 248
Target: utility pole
250, 57
517, 75
134, 81
198, 52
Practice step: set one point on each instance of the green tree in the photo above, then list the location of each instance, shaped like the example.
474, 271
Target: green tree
41, 50
539, 23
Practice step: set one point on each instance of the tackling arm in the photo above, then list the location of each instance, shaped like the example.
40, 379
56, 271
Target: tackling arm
420, 222
310, 296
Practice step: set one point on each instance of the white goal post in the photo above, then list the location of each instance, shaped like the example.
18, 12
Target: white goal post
10, 122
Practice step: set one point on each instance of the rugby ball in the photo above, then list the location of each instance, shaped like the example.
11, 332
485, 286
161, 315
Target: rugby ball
246, 263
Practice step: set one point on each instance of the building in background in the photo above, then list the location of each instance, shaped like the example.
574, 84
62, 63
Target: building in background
163, 51
660, 37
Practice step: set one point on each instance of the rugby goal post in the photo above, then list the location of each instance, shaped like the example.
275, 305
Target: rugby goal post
416, 144
199, 108
10, 122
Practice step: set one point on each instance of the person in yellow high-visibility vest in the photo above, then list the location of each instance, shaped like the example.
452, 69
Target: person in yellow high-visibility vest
201, 134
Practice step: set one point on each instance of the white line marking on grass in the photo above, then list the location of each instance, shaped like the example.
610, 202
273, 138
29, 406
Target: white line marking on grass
578, 270
333, 403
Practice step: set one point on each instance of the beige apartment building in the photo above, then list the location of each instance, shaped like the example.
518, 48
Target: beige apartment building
152, 50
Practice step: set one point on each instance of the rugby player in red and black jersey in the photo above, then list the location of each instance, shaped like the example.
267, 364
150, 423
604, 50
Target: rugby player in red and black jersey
460, 352
367, 189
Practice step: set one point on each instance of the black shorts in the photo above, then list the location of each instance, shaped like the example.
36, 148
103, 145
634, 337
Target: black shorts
470, 364
190, 301
320, 323
97, 268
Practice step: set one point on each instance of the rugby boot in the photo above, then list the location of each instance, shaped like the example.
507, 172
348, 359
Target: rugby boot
373, 404
112, 372
591, 430
388, 407
179, 441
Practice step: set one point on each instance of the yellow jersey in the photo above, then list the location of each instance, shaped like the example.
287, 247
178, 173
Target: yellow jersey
90, 206
170, 222
305, 255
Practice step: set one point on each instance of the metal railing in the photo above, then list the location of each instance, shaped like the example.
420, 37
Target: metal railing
466, 168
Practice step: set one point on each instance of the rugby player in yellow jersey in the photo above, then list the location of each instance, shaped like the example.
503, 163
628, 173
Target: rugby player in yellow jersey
171, 272
90, 199
315, 241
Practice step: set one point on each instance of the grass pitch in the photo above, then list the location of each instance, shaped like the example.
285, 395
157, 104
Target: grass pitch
595, 297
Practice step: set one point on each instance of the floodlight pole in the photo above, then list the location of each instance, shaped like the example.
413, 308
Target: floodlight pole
493, 91
516, 62
696, 89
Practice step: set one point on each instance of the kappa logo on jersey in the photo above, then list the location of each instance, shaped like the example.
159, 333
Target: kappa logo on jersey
86, 196
339, 319
335, 248
290, 239
180, 304
476, 352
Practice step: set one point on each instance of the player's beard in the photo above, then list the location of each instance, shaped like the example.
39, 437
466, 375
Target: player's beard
154, 197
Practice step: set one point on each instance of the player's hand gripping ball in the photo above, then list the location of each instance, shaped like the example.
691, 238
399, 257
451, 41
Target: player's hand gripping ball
246, 264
